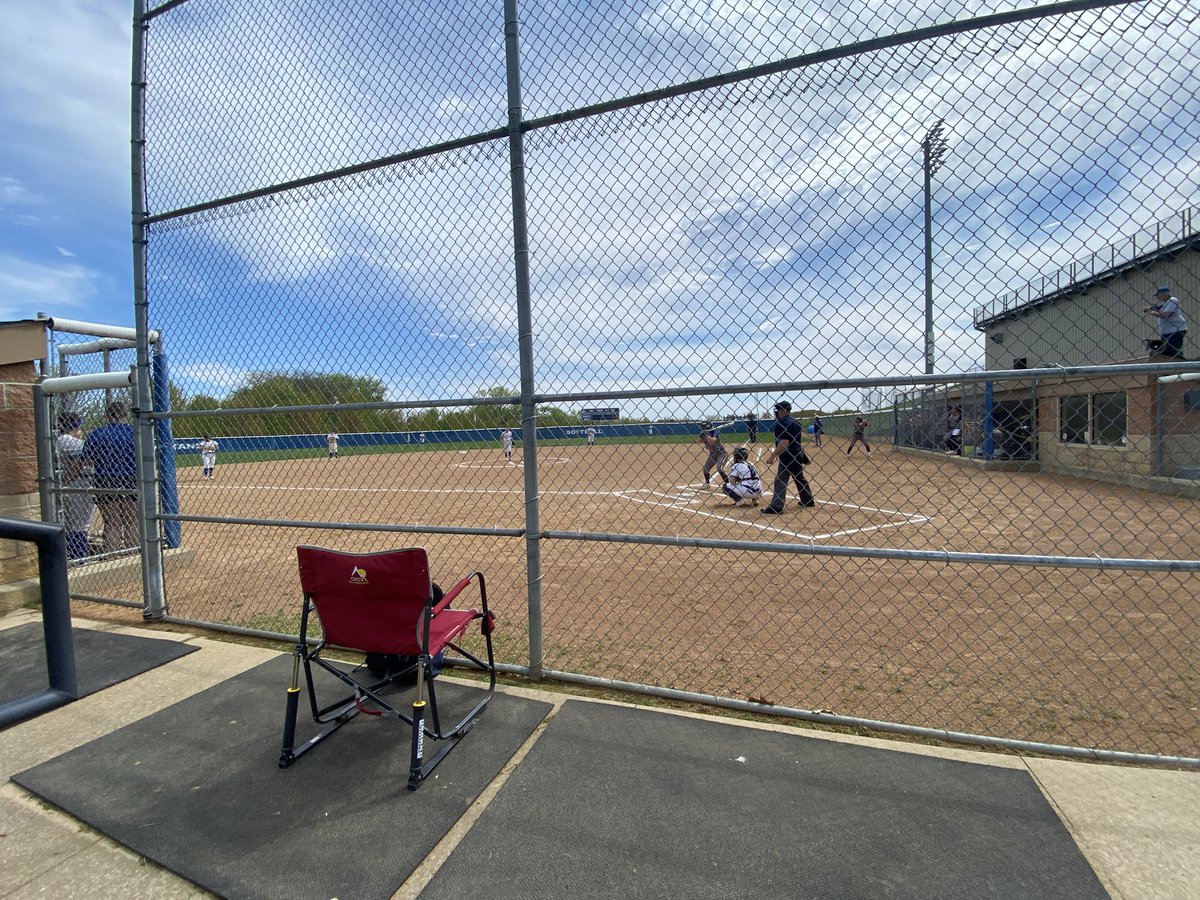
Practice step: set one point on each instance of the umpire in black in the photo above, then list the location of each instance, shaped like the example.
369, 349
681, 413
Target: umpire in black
792, 460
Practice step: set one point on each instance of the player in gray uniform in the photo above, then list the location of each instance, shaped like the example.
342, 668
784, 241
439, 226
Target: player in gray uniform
710, 440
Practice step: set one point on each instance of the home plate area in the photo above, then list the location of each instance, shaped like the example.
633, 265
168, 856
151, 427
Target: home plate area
827, 521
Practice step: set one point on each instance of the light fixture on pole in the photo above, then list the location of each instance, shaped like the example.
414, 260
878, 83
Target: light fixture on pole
934, 151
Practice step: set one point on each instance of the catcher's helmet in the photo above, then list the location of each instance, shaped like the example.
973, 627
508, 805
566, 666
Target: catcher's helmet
741, 454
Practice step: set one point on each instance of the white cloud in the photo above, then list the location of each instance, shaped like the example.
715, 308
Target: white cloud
25, 284
209, 377
800, 214
65, 89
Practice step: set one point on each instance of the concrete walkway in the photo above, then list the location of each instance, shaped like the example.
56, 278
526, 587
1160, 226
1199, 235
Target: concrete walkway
1138, 828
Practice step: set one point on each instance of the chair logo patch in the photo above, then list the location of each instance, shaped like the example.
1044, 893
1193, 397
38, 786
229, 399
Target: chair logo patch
358, 576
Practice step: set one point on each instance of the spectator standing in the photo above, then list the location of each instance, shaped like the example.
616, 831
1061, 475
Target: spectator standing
111, 452
953, 440
818, 429
860, 435
791, 458
77, 506
1172, 325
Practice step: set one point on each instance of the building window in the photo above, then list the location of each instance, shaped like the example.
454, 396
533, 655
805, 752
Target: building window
1108, 419
1093, 419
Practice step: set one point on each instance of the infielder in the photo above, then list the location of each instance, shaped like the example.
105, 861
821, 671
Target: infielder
744, 483
710, 439
208, 457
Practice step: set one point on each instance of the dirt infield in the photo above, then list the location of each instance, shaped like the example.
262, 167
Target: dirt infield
1061, 655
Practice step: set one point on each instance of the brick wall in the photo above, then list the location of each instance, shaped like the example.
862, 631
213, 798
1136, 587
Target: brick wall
18, 467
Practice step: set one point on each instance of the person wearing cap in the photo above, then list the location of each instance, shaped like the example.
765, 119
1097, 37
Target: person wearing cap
791, 458
710, 439
751, 428
1172, 326
110, 449
860, 435
76, 482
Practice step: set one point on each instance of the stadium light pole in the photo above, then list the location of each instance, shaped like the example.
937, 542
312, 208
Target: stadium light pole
934, 151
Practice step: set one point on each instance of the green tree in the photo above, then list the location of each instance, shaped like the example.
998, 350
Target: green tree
268, 390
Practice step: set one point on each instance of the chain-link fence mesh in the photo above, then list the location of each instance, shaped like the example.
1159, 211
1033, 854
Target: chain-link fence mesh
99, 516
717, 206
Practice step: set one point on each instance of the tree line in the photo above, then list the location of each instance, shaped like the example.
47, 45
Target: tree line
268, 390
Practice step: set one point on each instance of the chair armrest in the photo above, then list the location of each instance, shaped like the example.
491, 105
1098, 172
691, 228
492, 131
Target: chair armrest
458, 588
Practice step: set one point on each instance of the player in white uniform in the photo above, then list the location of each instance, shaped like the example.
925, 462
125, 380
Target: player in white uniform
331, 440
506, 442
208, 456
744, 483
591, 436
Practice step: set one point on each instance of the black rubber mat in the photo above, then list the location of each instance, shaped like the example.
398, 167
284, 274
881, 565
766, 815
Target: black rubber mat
618, 802
102, 659
196, 788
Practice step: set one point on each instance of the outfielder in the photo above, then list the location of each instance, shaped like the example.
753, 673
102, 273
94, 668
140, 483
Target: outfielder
744, 483
710, 439
506, 442
208, 456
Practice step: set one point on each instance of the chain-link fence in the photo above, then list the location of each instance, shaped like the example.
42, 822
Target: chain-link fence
381, 238
102, 549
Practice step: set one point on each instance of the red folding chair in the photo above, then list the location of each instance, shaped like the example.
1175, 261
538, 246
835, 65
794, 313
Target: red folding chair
383, 603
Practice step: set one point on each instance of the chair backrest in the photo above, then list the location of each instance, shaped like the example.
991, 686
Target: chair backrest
368, 601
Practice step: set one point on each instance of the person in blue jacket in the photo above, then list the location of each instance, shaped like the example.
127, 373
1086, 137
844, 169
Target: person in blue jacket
110, 451
792, 460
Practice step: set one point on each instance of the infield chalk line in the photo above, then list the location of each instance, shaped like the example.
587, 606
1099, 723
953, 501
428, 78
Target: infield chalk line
909, 518
378, 490
698, 494
553, 460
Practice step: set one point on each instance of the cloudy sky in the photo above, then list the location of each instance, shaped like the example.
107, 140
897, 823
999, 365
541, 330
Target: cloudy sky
64, 160
765, 232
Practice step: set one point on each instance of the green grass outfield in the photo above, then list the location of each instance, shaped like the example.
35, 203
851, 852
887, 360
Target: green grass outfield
190, 459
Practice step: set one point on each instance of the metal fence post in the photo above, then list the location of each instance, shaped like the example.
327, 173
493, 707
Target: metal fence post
516, 148
43, 434
152, 572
